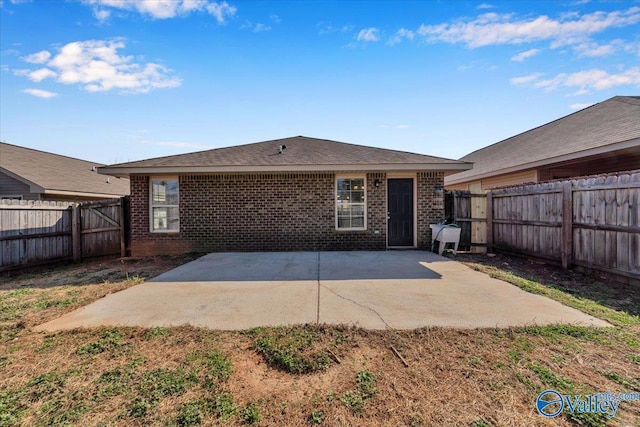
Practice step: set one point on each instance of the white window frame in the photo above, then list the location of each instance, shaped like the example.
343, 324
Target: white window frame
364, 203
151, 205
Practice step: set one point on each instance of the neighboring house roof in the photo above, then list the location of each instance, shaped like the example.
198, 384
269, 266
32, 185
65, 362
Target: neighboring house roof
608, 126
301, 154
55, 174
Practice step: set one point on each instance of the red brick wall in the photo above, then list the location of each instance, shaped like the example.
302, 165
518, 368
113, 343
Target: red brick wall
430, 205
269, 212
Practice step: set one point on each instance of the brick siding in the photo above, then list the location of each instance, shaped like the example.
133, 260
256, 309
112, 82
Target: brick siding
270, 212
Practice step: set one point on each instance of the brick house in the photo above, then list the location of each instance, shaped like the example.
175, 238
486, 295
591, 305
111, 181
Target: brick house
291, 194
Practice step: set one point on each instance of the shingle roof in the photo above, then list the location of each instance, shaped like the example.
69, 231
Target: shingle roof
55, 173
602, 125
301, 153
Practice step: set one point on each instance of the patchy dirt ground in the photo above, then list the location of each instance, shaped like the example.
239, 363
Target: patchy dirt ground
305, 375
595, 287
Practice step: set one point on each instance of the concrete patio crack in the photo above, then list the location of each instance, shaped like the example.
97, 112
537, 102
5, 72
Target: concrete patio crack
352, 301
344, 298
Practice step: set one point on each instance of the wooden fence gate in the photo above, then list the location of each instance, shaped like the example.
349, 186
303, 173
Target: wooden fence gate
469, 212
39, 232
101, 229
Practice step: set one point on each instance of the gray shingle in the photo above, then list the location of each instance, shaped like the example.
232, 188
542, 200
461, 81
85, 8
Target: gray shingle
300, 151
55, 172
612, 121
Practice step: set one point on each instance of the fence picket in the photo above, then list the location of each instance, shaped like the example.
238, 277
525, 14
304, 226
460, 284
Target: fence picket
35, 232
599, 216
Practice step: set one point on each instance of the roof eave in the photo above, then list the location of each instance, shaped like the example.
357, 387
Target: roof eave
451, 180
127, 171
83, 194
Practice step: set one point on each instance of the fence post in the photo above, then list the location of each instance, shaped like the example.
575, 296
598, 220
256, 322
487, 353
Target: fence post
567, 225
489, 221
76, 235
123, 247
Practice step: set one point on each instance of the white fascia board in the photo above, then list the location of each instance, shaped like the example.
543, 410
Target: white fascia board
82, 194
160, 170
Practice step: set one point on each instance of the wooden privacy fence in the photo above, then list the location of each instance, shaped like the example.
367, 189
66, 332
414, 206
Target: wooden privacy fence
37, 232
591, 223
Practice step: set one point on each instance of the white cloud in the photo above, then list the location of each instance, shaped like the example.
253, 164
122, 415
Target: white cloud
524, 79
40, 93
368, 35
260, 27
580, 106
8, 52
164, 9
592, 49
484, 6
36, 75
401, 34
275, 18
525, 55
96, 66
326, 28
494, 29
633, 48
101, 15
257, 28
588, 80
38, 57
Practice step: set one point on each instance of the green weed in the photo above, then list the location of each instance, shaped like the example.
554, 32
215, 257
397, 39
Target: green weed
109, 340
46, 384
634, 358
48, 303
156, 332
219, 369
222, 406
250, 413
355, 400
626, 382
588, 419
12, 407
189, 414
316, 417
558, 332
521, 346
550, 379
366, 384
293, 350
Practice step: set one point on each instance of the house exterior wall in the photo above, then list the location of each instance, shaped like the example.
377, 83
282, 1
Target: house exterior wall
272, 212
12, 187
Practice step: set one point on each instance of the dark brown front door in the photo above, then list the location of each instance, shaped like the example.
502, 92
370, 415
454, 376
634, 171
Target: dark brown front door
400, 208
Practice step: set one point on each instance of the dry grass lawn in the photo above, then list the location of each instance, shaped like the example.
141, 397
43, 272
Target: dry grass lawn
310, 374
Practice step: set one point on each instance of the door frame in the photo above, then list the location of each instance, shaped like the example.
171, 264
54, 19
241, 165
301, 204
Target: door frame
414, 177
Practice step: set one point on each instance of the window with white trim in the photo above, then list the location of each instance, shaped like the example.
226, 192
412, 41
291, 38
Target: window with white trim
165, 212
350, 203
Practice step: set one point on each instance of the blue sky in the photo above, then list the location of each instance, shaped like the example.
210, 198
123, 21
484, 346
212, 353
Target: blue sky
119, 80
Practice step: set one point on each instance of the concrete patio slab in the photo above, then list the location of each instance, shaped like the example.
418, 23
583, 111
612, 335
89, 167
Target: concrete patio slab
374, 290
